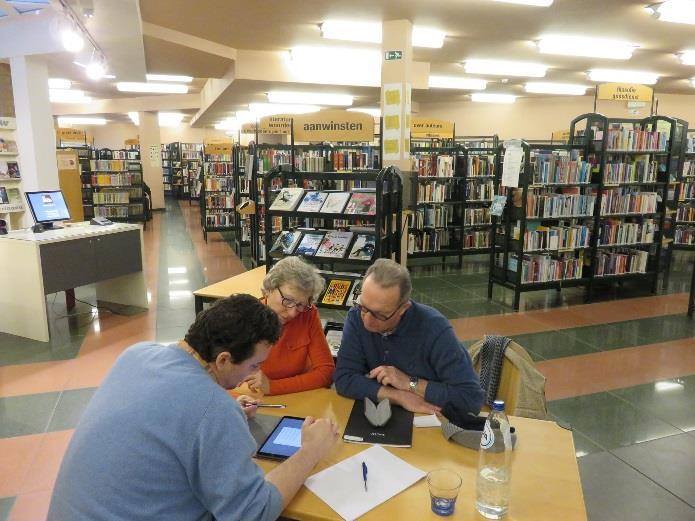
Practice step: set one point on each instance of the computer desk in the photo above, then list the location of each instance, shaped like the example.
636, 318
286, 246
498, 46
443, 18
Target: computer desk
249, 282
545, 476
33, 265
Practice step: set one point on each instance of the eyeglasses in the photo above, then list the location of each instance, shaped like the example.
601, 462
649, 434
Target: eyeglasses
289, 303
379, 316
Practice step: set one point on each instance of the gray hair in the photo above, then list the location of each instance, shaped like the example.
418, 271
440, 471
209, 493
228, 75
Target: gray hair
387, 274
297, 273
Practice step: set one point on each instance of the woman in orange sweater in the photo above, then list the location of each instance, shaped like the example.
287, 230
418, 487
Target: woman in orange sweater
300, 360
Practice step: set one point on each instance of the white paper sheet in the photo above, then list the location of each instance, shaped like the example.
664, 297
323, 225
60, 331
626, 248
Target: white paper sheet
430, 420
342, 487
513, 157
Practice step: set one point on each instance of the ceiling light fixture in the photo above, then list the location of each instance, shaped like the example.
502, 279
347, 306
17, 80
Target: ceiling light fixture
170, 119
72, 40
338, 65
687, 57
75, 120
231, 124
310, 98
351, 31
617, 75
567, 89
675, 11
453, 82
692, 82
68, 96
260, 110
505, 68
135, 118
162, 88
427, 37
584, 46
535, 3
372, 111
59, 83
486, 97
95, 70
169, 77
245, 116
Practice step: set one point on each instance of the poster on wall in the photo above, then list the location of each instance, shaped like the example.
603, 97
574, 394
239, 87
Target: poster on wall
392, 111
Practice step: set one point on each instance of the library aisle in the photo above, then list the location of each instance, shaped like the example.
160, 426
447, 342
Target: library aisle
621, 372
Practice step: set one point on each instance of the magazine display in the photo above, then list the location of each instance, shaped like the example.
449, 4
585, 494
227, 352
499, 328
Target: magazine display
285, 243
309, 244
362, 203
335, 202
336, 292
287, 199
335, 244
363, 247
313, 201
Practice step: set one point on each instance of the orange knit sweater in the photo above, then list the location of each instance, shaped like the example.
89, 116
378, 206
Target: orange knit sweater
300, 360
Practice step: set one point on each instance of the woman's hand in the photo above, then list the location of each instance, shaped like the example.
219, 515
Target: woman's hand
258, 382
248, 405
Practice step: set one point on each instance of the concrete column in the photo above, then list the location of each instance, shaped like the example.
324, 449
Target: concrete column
150, 153
35, 134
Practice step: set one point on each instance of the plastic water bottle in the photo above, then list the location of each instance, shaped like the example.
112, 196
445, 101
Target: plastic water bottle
494, 465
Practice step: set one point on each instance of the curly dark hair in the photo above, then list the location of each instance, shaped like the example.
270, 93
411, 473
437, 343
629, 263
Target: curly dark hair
234, 324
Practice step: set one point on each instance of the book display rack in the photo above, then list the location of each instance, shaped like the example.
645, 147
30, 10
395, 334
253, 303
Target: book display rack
11, 196
344, 230
166, 170
217, 193
117, 185
242, 195
192, 165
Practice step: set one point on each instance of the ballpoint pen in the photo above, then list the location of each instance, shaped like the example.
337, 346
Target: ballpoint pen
272, 405
364, 475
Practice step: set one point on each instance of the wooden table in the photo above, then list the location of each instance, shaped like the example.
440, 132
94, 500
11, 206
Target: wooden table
545, 476
248, 282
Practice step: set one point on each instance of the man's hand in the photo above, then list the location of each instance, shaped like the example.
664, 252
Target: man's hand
258, 382
389, 375
248, 405
319, 435
409, 401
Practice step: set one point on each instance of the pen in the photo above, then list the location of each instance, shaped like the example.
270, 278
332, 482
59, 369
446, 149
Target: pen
272, 405
364, 475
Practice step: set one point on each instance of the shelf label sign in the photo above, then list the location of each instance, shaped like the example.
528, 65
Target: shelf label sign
393, 55
8, 123
276, 124
218, 149
428, 127
563, 136
71, 137
625, 92
334, 125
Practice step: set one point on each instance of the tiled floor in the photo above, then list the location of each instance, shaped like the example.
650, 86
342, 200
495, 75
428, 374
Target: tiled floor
620, 372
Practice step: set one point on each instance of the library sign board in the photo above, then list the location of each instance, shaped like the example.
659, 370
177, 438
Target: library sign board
625, 92
428, 127
562, 136
132, 142
218, 149
71, 137
334, 125
277, 124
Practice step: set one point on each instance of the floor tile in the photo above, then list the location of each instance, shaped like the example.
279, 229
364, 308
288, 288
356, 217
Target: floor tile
30, 414
605, 337
175, 318
554, 344
69, 409
31, 507
609, 421
615, 492
470, 308
669, 462
6, 504
664, 328
18, 454
170, 334
583, 446
44, 468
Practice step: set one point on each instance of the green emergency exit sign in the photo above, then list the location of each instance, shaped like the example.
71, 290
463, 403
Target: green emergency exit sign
393, 55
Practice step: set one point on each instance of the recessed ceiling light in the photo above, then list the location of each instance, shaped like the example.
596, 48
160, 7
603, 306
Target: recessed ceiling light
338, 65
70, 120
260, 110
453, 82
372, 111
310, 98
59, 83
170, 119
163, 88
584, 46
169, 77
617, 75
535, 3
486, 97
676, 11
68, 96
426, 37
135, 118
687, 57
505, 68
555, 88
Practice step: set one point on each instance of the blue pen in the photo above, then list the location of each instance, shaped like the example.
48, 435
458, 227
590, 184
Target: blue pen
364, 475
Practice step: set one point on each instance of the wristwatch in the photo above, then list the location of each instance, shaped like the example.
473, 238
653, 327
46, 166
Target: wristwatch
413, 383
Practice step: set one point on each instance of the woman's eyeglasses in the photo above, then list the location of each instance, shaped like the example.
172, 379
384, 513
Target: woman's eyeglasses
289, 303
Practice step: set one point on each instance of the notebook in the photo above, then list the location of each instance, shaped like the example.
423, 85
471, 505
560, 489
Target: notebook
398, 431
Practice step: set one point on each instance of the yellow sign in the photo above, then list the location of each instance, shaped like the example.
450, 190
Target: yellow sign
334, 125
132, 141
428, 127
624, 92
562, 136
70, 136
218, 149
277, 124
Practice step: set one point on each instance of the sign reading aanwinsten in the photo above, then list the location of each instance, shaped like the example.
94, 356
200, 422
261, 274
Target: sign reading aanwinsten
624, 92
334, 125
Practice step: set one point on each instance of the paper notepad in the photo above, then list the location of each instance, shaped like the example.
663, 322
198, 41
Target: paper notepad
342, 487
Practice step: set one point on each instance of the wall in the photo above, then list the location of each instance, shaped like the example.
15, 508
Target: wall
537, 118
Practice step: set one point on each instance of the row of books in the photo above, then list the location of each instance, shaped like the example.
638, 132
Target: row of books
219, 201
116, 179
295, 199
309, 162
547, 268
687, 191
9, 170
560, 205
191, 147
216, 219
268, 158
340, 291
477, 191
218, 158
627, 138
332, 244
432, 216
685, 214
191, 156
476, 239
623, 200
433, 165
641, 170
111, 197
428, 240
621, 262
219, 168
354, 159
560, 167
684, 236
616, 232
689, 168
480, 165
109, 165
476, 216
434, 191
217, 184
564, 237
132, 210
125, 154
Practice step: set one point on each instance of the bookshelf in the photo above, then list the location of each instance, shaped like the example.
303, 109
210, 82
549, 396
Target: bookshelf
322, 224
179, 180
192, 166
350, 157
217, 191
166, 170
490, 141
117, 189
242, 194
11, 196
85, 154
683, 209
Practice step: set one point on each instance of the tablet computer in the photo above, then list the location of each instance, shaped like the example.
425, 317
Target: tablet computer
284, 440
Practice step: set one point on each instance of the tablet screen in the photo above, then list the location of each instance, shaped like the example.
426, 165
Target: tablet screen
285, 439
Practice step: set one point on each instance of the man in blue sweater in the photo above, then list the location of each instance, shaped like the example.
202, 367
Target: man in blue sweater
407, 352
162, 439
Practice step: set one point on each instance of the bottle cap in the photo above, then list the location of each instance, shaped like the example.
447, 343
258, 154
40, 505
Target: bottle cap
498, 405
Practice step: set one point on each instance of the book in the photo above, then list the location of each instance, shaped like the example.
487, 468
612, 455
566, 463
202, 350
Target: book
362, 203
312, 202
285, 243
334, 244
3, 196
398, 431
356, 289
336, 292
335, 202
309, 244
334, 336
287, 199
363, 247
14, 196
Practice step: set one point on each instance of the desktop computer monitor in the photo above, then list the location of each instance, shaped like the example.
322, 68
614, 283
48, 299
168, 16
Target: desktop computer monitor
48, 207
